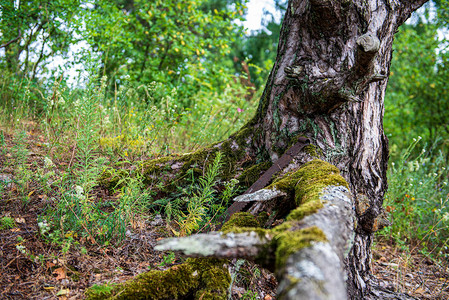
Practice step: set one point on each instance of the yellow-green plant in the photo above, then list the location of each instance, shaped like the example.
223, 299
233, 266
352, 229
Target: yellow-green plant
203, 203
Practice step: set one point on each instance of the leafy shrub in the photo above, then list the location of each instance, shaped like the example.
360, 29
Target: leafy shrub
418, 199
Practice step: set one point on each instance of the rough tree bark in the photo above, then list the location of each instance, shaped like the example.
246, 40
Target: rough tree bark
328, 84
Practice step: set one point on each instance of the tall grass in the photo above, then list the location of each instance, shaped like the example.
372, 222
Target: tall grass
418, 199
82, 132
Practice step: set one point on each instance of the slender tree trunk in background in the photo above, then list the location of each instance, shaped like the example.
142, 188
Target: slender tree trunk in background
328, 83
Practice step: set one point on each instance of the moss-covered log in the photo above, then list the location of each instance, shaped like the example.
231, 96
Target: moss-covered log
241, 159
205, 279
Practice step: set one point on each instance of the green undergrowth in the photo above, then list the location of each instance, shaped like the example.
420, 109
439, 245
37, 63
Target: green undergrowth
196, 203
89, 139
417, 200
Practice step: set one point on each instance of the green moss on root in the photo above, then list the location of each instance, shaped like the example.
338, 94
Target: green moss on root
306, 185
289, 242
240, 220
313, 151
305, 209
98, 292
152, 169
206, 278
262, 218
215, 280
233, 150
308, 182
112, 178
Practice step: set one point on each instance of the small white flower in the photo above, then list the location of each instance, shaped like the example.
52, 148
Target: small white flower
48, 163
419, 137
43, 227
414, 139
446, 216
21, 248
79, 192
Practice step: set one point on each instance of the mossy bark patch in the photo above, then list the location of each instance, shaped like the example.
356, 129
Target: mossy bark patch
240, 220
112, 178
205, 278
289, 242
173, 170
313, 151
305, 209
251, 174
307, 183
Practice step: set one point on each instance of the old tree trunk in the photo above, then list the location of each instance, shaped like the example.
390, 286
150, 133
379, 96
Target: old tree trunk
328, 84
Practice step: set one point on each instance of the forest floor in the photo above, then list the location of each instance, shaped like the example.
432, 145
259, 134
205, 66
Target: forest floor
58, 275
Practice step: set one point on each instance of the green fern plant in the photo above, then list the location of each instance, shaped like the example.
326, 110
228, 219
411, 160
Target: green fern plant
199, 203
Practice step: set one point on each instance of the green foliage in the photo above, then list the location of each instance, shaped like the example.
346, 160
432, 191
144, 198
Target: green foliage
417, 101
171, 42
7, 223
100, 131
161, 125
256, 52
37, 31
168, 259
417, 200
22, 175
201, 202
250, 295
77, 214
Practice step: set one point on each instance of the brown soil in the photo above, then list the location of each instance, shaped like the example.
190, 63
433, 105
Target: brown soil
406, 270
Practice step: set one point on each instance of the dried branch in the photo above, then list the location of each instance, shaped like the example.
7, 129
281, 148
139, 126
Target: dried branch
13, 40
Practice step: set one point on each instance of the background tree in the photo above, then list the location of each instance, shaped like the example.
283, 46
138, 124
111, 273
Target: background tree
258, 48
173, 43
33, 31
417, 96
